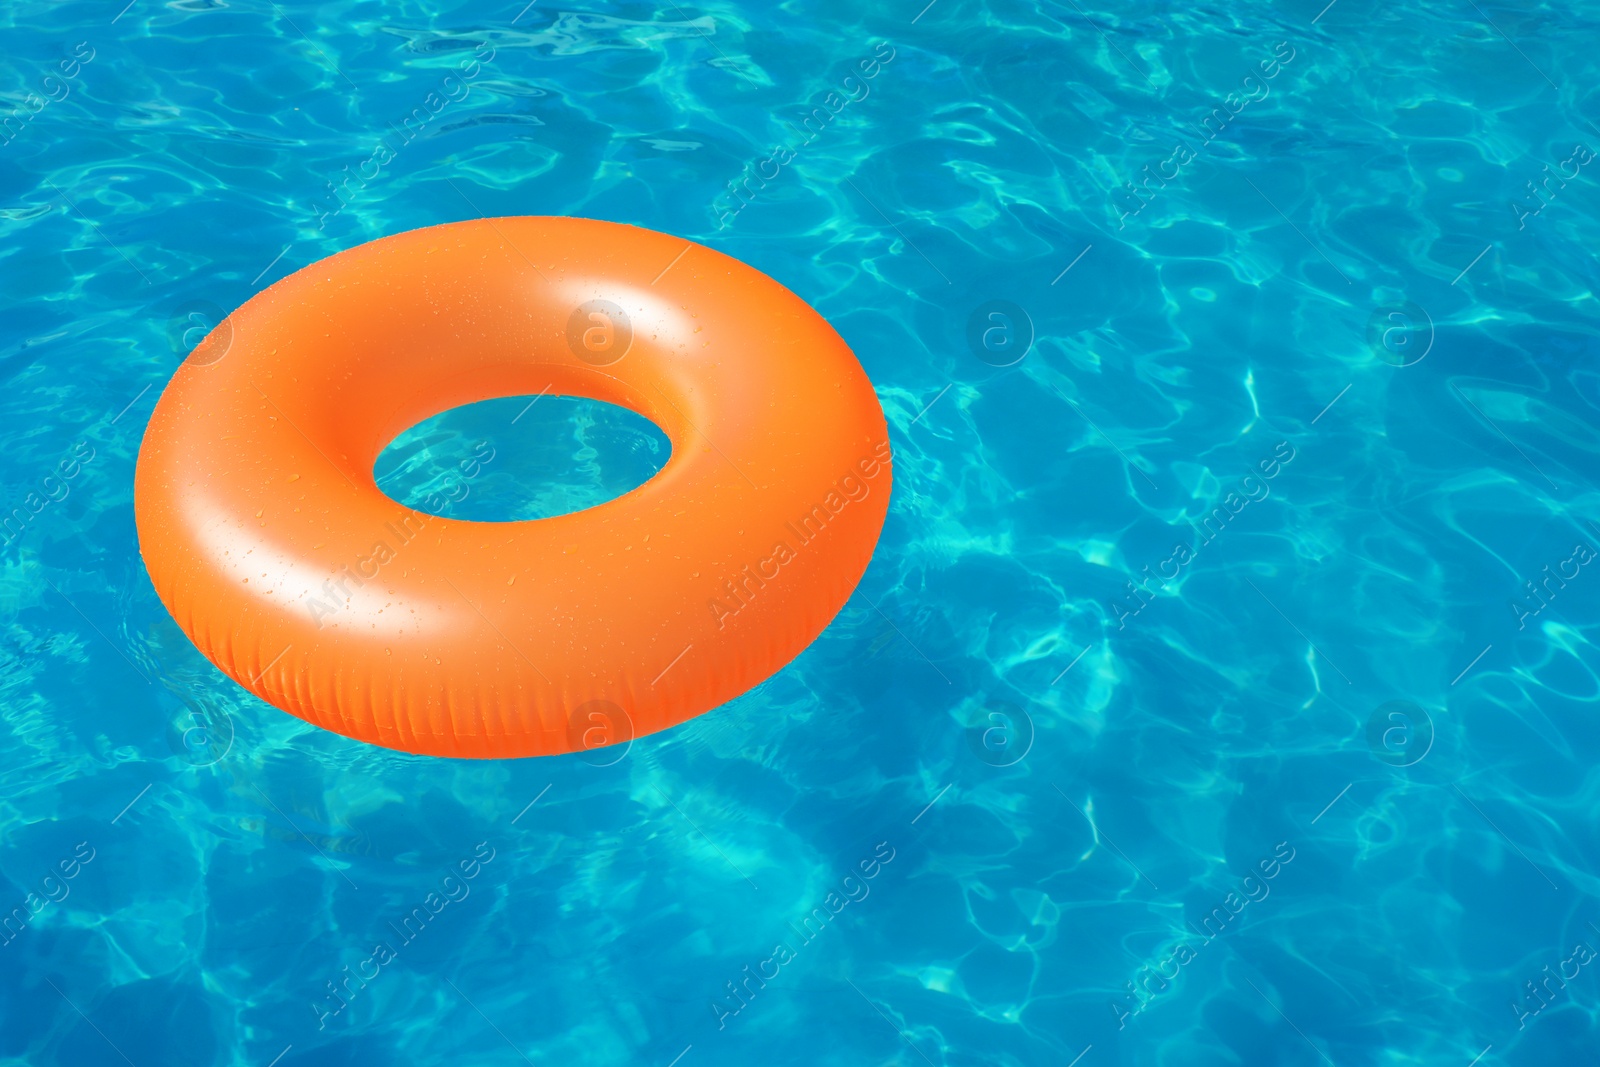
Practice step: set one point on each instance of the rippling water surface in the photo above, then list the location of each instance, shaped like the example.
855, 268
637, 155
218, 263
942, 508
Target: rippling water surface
1223, 690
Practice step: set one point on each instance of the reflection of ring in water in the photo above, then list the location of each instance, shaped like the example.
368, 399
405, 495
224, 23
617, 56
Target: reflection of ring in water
597, 725
1400, 733
1000, 734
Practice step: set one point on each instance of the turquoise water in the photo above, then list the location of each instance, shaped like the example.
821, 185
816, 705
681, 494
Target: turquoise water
1223, 690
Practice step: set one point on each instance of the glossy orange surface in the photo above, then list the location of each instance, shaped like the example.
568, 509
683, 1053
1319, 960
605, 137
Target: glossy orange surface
267, 538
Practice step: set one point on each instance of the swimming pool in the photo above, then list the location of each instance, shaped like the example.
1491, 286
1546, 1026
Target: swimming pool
1221, 691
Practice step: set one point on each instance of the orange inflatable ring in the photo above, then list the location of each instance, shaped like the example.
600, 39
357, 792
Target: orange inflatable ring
268, 540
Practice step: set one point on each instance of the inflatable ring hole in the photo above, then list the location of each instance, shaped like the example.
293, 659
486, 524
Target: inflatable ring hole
516, 458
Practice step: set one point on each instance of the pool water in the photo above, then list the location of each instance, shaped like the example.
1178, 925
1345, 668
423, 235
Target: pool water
1223, 689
